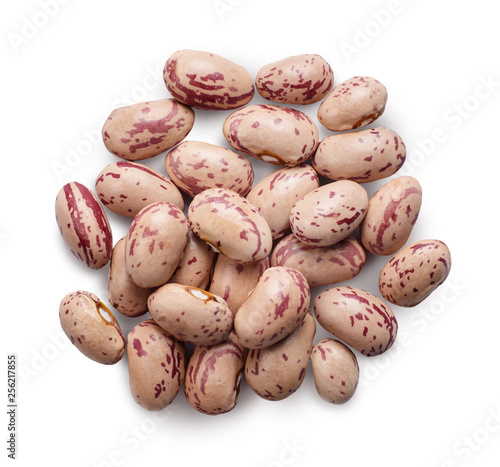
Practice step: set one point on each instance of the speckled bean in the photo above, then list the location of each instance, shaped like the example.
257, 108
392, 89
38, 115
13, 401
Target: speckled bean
413, 273
155, 243
357, 317
234, 281
353, 103
207, 81
274, 309
360, 156
213, 376
300, 79
231, 224
278, 135
156, 365
127, 187
329, 214
196, 263
191, 314
91, 327
83, 224
195, 166
391, 215
144, 130
276, 372
320, 265
335, 370
276, 193
123, 293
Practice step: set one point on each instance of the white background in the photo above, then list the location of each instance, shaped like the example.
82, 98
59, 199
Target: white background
432, 400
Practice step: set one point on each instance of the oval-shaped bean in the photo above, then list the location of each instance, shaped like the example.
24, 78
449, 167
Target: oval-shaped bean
274, 309
83, 224
320, 265
156, 365
300, 79
353, 103
276, 372
195, 166
276, 193
391, 215
278, 135
413, 273
329, 214
155, 243
357, 317
91, 327
207, 81
234, 281
361, 156
123, 293
191, 314
196, 263
144, 130
231, 224
127, 187
213, 376
335, 370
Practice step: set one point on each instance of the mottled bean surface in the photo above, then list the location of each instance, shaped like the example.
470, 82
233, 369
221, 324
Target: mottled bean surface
91, 327
300, 79
278, 135
231, 224
156, 364
329, 214
320, 265
413, 273
126, 187
361, 156
83, 224
213, 376
391, 215
276, 193
353, 103
207, 81
335, 370
144, 130
276, 372
195, 166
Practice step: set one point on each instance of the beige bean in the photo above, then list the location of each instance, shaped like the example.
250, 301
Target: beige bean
83, 224
274, 309
191, 314
336, 371
329, 214
91, 327
360, 156
278, 135
144, 130
231, 224
276, 372
213, 376
391, 215
234, 281
320, 265
357, 317
156, 365
300, 79
413, 273
195, 166
127, 187
155, 243
353, 103
276, 193
207, 81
